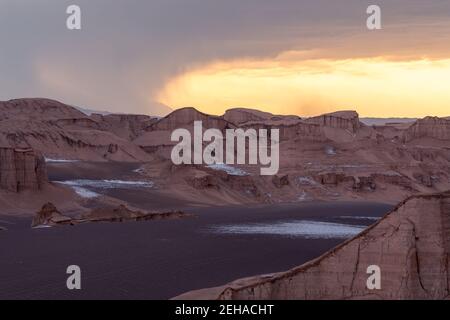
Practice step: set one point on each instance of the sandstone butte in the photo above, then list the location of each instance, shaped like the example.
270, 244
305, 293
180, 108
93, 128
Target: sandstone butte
411, 245
21, 169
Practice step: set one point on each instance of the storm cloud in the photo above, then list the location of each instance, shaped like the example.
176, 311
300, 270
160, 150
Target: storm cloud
128, 50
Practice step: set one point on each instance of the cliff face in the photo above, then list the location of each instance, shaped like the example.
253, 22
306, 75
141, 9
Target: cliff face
347, 120
429, 127
332, 156
21, 169
411, 246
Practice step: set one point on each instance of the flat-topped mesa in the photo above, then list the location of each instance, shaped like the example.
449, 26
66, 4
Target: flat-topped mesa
21, 169
185, 118
429, 127
347, 120
410, 245
240, 116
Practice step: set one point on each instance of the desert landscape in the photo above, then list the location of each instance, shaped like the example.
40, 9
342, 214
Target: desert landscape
329, 157
68, 176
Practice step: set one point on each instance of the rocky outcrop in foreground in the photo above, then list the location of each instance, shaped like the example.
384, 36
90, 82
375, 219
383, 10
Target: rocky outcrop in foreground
411, 246
21, 169
50, 216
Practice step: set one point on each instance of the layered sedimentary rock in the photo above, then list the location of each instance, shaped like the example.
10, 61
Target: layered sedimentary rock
429, 127
157, 135
410, 245
37, 108
347, 120
302, 132
61, 131
343, 158
125, 126
21, 169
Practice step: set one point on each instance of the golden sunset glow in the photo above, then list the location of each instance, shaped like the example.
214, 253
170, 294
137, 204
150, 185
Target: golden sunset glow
381, 87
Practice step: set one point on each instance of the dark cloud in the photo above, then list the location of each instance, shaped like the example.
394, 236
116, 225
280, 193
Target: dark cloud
128, 49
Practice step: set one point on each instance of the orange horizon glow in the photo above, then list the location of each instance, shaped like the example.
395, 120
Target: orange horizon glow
290, 84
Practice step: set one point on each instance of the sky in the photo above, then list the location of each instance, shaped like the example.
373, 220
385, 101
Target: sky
303, 57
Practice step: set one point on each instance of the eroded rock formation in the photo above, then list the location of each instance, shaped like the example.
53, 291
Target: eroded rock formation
347, 120
37, 108
21, 169
61, 131
125, 126
429, 127
410, 245
344, 158
50, 216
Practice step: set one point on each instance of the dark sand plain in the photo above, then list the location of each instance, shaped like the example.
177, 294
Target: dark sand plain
159, 259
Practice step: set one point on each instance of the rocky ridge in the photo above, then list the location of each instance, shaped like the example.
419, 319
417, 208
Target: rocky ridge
62, 132
50, 216
328, 157
410, 245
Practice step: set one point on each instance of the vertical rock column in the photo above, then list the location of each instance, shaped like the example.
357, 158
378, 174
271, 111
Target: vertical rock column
21, 169
8, 178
